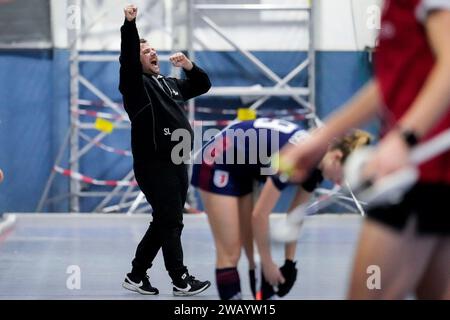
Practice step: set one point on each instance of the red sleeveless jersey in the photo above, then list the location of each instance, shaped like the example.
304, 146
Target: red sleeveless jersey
403, 62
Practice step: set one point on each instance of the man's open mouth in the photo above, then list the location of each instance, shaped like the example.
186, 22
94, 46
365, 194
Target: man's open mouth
154, 62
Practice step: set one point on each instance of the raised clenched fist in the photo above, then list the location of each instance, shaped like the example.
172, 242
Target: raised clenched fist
130, 12
180, 60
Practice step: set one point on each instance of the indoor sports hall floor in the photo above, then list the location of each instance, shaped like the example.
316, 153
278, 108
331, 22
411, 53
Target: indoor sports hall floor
36, 253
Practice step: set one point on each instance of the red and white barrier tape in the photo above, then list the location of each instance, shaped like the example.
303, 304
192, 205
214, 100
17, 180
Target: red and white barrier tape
211, 123
216, 110
78, 176
109, 149
95, 103
206, 123
283, 113
102, 115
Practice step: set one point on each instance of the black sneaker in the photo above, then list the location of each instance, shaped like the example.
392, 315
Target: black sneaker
189, 286
143, 286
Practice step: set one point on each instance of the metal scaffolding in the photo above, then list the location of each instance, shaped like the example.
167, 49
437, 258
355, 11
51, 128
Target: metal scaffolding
183, 19
281, 86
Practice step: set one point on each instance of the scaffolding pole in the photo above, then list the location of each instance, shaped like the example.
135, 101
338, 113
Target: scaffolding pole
312, 66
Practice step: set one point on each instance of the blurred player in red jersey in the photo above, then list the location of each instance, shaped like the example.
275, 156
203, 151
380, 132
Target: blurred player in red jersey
408, 242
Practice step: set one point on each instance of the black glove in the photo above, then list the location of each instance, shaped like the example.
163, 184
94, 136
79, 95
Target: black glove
289, 272
267, 291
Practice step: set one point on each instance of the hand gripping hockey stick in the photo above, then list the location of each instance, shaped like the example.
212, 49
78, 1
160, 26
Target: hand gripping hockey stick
387, 190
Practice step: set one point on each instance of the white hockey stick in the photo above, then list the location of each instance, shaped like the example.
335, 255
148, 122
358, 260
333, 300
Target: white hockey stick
391, 188
288, 229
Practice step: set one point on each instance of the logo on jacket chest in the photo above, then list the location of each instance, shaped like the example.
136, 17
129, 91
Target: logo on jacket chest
167, 132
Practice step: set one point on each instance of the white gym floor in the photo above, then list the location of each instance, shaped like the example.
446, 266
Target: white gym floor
36, 253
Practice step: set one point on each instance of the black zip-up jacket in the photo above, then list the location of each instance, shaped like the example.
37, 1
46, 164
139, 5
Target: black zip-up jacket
153, 112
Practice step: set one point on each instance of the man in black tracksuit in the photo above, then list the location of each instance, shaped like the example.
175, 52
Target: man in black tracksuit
154, 104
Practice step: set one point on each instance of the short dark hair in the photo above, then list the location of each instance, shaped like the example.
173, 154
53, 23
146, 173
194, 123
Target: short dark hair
142, 40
